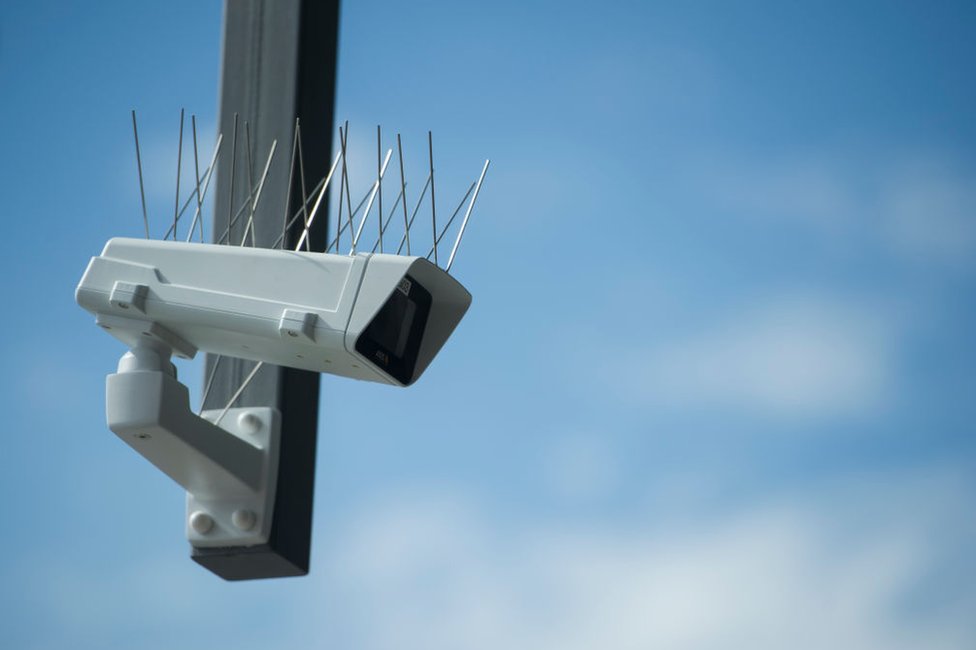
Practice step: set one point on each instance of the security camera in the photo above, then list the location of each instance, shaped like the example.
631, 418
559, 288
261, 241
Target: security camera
374, 317
366, 315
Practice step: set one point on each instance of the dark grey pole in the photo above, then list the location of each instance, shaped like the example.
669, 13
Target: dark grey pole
279, 63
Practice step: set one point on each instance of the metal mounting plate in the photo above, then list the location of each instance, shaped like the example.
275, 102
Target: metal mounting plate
239, 520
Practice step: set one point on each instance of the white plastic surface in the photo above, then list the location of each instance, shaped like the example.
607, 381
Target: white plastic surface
230, 472
241, 519
297, 309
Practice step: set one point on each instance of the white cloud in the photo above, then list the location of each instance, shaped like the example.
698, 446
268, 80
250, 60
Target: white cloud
580, 467
920, 209
794, 357
930, 215
806, 190
808, 573
852, 564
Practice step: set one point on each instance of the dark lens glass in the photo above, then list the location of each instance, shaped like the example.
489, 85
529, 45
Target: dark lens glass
392, 339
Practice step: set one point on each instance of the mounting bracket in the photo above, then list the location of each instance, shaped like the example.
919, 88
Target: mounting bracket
226, 461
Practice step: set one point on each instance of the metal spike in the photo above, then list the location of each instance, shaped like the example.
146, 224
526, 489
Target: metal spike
196, 172
451, 220
245, 207
291, 180
142, 191
257, 196
355, 211
342, 192
389, 218
370, 203
233, 177
301, 169
240, 391
210, 380
318, 201
233, 222
179, 161
279, 242
344, 189
206, 185
423, 193
379, 182
186, 206
464, 223
250, 179
433, 203
403, 192
345, 177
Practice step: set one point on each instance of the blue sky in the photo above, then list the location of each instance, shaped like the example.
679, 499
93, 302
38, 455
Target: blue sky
715, 389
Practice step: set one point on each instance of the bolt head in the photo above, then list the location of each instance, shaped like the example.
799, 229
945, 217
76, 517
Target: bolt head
249, 422
243, 519
201, 522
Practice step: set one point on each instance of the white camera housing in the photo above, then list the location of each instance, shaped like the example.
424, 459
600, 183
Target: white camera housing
373, 317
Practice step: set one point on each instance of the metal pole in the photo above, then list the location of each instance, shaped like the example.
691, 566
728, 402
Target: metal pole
279, 64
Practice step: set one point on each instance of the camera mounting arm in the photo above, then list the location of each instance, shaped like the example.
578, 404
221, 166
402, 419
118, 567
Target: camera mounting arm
228, 471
